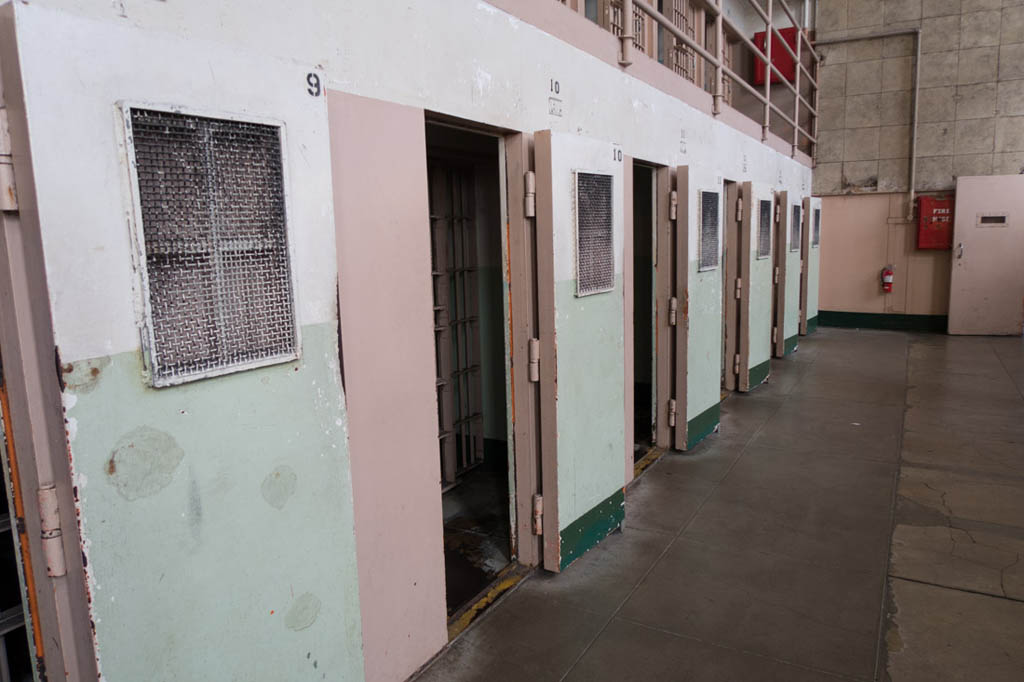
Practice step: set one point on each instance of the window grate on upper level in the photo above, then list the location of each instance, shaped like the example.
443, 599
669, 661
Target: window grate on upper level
764, 229
709, 230
210, 196
794, 230
816, 232
595, 251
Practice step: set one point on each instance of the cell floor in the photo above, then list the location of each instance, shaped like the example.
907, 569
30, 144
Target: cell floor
858, 517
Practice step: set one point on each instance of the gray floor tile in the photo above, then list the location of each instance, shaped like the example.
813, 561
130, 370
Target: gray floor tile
948, 449
764, 603
743, 415
954, 636
600, 579
528, 636
626, 652
663, 499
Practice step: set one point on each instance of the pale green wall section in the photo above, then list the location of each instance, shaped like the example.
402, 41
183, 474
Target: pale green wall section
591, 398
791, 324
759, 297
704, 340
220, 537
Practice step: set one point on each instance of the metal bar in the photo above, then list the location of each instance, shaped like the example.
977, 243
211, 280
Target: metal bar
768, 25
674, 30
766, 114
720, 50
627, 33
796, 99
808, 106
782, 114
810, 77
762, 56
741, 81
814, 120
810, 137
789, 13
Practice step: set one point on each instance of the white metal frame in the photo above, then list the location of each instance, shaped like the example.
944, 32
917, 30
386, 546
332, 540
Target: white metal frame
700, 228
576, 230
144, 311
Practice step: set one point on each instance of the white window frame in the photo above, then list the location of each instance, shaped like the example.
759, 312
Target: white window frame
144, 309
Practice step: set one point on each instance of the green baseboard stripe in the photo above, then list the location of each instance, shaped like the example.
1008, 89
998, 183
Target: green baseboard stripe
703, 425
812, 324
790, 344
890, 321
588, 530
760, 373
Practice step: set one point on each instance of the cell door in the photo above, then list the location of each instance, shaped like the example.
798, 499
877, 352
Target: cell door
987, 282
779, 257
811, 256
757, 225
580, 228
672, 307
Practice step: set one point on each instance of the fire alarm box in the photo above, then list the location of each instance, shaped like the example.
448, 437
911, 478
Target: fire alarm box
781, 57
935, 222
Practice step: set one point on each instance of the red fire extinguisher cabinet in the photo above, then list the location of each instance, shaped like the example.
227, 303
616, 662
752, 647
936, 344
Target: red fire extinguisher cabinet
781, 57
935, 222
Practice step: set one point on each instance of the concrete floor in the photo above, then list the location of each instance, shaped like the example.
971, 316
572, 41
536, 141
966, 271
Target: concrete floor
764, 554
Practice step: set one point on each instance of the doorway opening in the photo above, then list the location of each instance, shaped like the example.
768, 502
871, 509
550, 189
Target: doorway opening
644, 212
463, 171
731, 312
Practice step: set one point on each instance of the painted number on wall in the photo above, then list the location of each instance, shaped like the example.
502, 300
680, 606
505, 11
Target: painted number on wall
555, 86
313, 81
616, 154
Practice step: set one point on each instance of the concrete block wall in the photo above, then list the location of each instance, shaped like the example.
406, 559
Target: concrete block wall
971, 110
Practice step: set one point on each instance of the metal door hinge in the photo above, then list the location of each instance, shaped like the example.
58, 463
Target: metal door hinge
538, 514
673, 311
673, 205
533, 353
736, 364
776, 213
49, 520
739, 288
739, 209
530, 194
775, 275
775, 334
672, 412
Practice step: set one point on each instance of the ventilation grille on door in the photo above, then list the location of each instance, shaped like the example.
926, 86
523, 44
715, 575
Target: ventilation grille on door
764, 230
794, 230
595, 255
708, 230
211, 197
816, 232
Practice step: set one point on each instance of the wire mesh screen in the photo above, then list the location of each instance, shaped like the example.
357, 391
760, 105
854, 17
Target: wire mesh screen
595, 256
764, 229
794, 230
708, 230
816, 232
211, 194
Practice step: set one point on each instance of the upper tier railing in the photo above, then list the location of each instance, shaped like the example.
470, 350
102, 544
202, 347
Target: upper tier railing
697, 41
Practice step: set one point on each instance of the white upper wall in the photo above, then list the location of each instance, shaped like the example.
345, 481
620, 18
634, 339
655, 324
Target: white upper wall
459, 57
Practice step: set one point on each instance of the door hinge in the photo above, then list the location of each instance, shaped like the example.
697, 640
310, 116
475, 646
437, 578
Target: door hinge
776, 213
775, 275
739, 288
49, 520
672, 412
530, 194
533, 353
673, 311
736, 364
538, 515
739, 209
673, 205
775, 334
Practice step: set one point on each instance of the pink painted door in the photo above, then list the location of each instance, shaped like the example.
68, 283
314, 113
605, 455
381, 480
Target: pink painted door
987, 281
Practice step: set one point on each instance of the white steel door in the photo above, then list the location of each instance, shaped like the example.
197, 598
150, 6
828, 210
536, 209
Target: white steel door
987, 282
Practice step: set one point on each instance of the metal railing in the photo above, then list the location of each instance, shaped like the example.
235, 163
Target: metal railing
696, 40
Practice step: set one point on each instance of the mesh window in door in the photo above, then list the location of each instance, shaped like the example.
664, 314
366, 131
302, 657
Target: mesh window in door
595, 254
211, 201
764, 229
816, 232
709, 230
794, 230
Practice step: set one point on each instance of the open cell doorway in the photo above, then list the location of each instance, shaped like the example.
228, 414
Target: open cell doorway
470, 323
644, 372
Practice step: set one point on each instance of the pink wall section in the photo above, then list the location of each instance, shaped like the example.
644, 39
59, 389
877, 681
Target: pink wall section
378, 161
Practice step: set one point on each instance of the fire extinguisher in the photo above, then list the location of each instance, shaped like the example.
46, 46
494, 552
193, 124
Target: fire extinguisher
887, 275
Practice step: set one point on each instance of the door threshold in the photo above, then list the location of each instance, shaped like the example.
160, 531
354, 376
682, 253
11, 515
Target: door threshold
654, 453
507, 578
